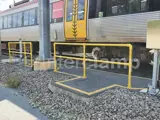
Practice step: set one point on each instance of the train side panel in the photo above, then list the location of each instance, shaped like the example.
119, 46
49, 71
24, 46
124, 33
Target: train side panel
123, 28
31, 33
24, 33
57, 32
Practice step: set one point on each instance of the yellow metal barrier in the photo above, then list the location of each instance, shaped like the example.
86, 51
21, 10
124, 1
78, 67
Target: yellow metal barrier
84, 45
26, 50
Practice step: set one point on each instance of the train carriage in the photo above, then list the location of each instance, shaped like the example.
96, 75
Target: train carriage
100, 21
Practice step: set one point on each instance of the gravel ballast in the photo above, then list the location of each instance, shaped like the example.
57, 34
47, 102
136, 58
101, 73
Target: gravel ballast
113, 104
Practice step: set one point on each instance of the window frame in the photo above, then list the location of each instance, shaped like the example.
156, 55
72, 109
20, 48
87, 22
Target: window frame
130, 6
147, 6
37, 21
83, 11
14, 25
51, 12
25, 16
109, 8
34, 17
20, 20
1, 23
118, 4
5, 27
92, 9
10, 22
66, 19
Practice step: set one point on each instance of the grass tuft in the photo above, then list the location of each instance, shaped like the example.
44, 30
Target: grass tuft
13, 81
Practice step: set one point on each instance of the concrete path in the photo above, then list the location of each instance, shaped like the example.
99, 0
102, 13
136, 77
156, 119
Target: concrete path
15, 107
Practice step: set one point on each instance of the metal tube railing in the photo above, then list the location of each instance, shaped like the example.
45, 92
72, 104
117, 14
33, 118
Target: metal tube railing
55, 58
84, 45
84, 61
25, 53
130, 67
31, 55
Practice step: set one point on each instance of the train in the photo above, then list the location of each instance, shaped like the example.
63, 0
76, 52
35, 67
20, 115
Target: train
91, 21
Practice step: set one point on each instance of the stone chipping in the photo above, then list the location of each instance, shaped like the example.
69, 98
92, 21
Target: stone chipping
113, 104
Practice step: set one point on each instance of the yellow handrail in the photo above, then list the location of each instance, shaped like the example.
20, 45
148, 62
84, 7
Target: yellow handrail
24, 52
84, 45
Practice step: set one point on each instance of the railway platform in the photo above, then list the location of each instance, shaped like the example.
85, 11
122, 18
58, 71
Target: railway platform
98, 81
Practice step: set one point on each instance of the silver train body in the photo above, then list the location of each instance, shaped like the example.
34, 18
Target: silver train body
130, 28
123, 28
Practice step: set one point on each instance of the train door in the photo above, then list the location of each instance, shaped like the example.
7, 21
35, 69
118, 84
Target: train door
75, 20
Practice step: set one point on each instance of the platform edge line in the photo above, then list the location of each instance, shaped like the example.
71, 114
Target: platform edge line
68, 74
62, 81
72, 88
102, 89
129, 88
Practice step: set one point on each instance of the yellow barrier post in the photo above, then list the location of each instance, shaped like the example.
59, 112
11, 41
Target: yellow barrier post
84, 61
9, 48
55, 59
130, 67
25, 57
29, 53
31, 57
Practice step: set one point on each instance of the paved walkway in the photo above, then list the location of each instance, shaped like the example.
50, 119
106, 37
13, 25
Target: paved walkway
9, 101
98, 81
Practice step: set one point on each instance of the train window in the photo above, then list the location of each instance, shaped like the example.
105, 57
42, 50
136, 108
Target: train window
50, 10
92, 8
26, 18
69, 10
37, 15
57, 11
5, 19
103, 8
14, 20
10, 21
118, 7
19, 19
32, 17
144, 6
81, 9
134, 6
98, 8
1, 23
154, 5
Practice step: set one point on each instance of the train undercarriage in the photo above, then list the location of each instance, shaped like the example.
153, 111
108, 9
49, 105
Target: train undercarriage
140, 52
